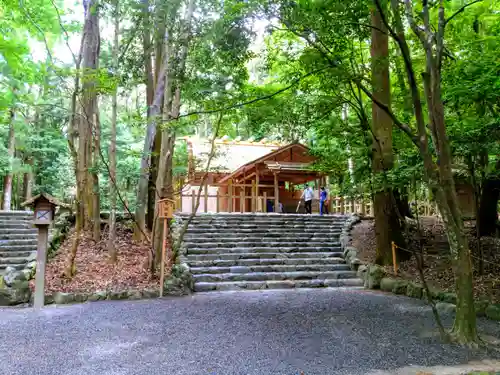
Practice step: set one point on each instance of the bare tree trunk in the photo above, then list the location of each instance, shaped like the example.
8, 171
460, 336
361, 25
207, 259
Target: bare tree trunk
142, 188
112, 146
439, 176
171, 109
11, 148
28, 180
488, 213
74, 126
89, 132
387, 222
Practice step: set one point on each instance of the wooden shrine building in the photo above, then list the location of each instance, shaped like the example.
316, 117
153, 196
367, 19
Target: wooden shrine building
272, 181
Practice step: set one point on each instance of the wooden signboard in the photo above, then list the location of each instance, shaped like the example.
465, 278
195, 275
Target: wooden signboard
165, 209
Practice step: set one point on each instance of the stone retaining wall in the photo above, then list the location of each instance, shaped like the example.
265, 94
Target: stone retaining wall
375, 277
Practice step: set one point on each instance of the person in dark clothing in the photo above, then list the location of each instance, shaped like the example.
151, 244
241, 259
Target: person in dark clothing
323, 201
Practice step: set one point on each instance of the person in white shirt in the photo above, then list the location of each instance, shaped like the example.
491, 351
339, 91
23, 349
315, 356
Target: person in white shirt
307, 195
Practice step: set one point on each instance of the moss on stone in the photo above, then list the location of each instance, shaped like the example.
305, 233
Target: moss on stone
480, 307
414, 290
493, 311
374, 276
400, 287
387, 284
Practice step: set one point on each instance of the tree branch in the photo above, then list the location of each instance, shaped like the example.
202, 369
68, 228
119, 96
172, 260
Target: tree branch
460, 11
261, 98
405, 128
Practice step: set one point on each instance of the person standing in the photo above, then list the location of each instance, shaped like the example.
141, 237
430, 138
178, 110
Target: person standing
323, 199
307, 195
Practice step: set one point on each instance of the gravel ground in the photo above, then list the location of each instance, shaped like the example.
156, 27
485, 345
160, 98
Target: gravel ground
334, 331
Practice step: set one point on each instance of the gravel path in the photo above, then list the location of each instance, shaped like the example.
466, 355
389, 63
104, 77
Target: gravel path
270, 332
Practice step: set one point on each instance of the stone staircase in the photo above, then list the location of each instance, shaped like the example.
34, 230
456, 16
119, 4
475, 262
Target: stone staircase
266, 251
18, 239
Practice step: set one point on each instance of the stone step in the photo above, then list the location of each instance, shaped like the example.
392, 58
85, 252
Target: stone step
15, 248
16, 214
16, 254
18, 266
262, 249
262, 243
18, 242
272, 284
262, 231
18, 232
18, 236
272, 215
271, 224
326, 224
13, 260
10, 218
270, 268
265, 261
16, 224
273, 236
262, 276
252, 255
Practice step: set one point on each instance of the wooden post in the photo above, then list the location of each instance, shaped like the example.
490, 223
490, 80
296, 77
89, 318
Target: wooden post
342, 206
230, 195
242, 200
41, 256
193, 202
257, 181
205, 200
394, 263
264, 206
163, 254
363, 208
276, 193
217, 203
254, 200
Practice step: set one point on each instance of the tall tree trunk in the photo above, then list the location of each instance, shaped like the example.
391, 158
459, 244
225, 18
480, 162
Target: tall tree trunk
438, 176
89, 131
112, 146
143, 185
488, 209
11, 148
28, 180
387, 221
73, 143
171, 109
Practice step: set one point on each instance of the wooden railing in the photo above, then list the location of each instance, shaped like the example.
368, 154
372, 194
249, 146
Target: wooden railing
345, 205
232, 201
256, 198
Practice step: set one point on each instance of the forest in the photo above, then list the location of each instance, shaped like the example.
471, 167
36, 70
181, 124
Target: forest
398, 99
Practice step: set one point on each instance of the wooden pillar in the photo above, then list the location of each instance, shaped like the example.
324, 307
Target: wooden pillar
276, 193
253, 200
264, 199
257, 182
342, 206
242, 200
230, 196
193, 202
217, 203
205, 200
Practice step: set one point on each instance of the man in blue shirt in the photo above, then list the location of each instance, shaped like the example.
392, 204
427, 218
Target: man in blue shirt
323, 198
